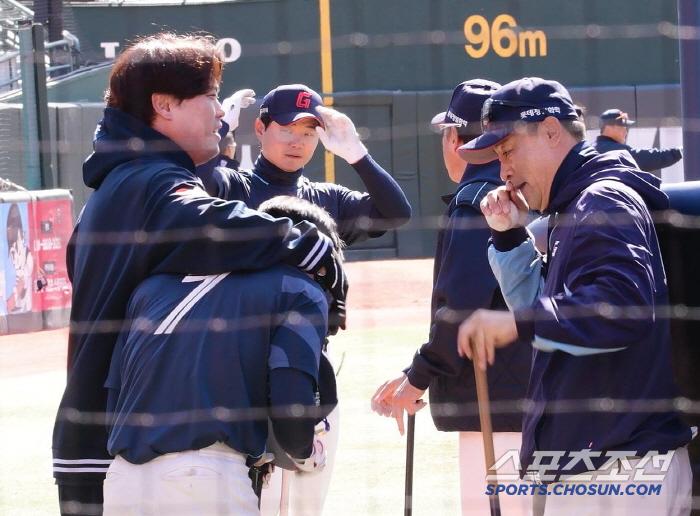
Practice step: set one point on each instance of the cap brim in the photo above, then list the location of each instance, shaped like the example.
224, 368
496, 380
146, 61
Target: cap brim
290, 118
481, 150
629, 123
439, 119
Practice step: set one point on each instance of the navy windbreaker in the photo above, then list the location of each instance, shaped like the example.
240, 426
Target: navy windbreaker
598, 325
148, 214
463, 282
647, 159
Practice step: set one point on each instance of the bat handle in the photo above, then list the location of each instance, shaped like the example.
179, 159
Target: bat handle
410, 441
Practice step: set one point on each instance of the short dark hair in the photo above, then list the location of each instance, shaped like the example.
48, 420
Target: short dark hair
298, 209
183, 66
266, 120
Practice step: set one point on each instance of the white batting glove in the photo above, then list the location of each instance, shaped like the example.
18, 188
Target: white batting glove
233, 105
314, 464
340, 136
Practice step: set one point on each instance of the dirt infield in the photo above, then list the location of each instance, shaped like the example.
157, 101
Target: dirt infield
388, 293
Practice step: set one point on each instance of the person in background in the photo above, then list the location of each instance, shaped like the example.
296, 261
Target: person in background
463, 282
292, 121
614, 128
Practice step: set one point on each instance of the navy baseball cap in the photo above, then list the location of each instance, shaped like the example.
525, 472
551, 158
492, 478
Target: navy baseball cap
291, 102
531, 99
615, 117
465, 106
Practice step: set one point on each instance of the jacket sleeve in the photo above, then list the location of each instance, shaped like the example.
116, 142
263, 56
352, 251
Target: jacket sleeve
295, 351
463, 284
383, 207
188, 232
517, 266
608, 275
654, 159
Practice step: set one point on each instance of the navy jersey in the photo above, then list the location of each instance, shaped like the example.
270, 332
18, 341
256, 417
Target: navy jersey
194, 366
148, 214
359, 215
463, 282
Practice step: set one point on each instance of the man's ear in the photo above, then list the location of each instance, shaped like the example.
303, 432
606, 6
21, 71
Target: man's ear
552, 129
163, 105
453, 138
259, 128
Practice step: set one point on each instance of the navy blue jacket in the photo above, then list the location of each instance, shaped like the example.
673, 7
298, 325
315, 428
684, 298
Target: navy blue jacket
647, 159
597, 323
201, 357
148, 214
359, 215
463, 282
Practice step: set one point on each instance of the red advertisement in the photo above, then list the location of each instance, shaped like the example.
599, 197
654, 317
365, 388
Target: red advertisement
51, 223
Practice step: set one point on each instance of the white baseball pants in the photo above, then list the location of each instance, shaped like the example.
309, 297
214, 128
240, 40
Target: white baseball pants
212, 481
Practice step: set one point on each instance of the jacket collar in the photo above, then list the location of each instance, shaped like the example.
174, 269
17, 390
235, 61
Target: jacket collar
274, 175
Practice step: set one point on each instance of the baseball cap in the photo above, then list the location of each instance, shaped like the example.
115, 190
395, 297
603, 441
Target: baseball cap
291, 102
615, 117
530, 99
465, 106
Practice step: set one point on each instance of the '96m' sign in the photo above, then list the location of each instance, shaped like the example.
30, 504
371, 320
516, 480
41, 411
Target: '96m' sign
504, 36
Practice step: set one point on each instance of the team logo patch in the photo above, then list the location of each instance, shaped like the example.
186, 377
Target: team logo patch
303, 100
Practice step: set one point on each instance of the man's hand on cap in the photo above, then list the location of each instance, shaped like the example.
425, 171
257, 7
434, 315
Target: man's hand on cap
340, 136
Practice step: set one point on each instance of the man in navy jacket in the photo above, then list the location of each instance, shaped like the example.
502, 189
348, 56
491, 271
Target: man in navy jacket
601, 385
462, 283
149, 214
208, 359
614, 127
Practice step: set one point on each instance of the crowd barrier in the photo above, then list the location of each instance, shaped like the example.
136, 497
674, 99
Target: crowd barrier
35, 293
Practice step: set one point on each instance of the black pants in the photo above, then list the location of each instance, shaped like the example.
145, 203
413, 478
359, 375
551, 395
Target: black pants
81, 500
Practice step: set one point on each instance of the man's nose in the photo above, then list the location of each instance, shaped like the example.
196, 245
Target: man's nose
506, 172
219, 109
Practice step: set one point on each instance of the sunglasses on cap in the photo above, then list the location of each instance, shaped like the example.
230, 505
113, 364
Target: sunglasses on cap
491, 107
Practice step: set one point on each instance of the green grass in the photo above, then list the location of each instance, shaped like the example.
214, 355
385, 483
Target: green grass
368, 478
27, 410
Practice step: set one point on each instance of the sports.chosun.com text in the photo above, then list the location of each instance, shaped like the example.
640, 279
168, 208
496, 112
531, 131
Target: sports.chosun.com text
574, 489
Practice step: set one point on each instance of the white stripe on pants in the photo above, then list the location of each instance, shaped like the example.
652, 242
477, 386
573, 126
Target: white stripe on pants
674, 499
211, 481
472, 475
